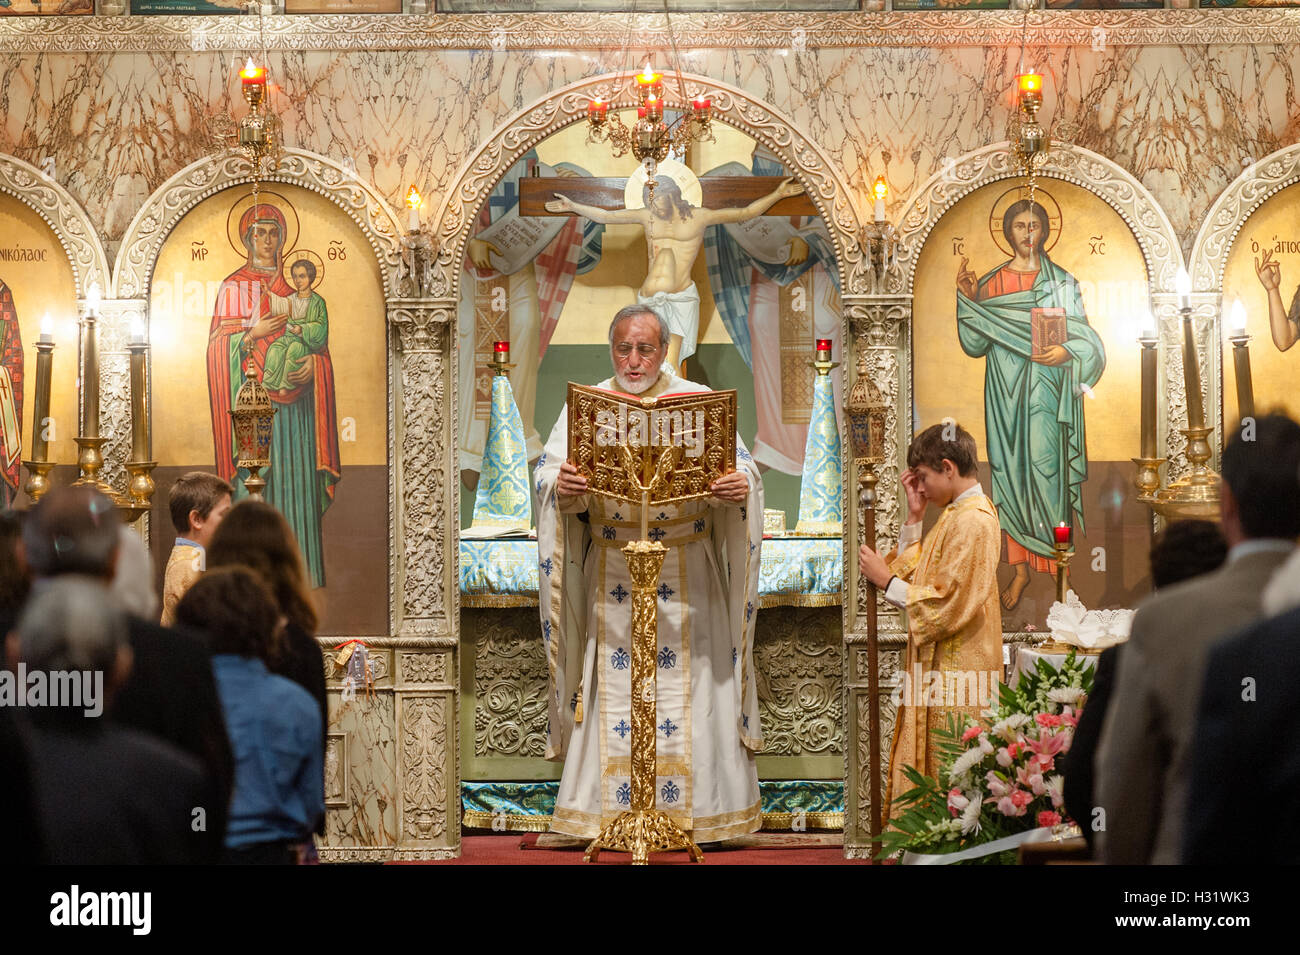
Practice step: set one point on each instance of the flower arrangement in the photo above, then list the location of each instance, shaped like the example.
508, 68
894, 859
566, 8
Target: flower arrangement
999, 776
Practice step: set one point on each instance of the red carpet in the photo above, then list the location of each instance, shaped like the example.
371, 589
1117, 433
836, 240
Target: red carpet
513, 848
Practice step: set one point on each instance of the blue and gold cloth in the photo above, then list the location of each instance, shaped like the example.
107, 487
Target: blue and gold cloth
503, 501
793, 572
820, 510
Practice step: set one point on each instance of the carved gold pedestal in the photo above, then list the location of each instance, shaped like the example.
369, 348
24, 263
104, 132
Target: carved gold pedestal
643, 829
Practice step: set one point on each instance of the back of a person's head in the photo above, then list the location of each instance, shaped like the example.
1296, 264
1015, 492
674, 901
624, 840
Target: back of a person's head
1186, 549
133, 586
939, 441
71, 530
1261, 465
195, 491
15, 578
234, 610
255, 535
71, 624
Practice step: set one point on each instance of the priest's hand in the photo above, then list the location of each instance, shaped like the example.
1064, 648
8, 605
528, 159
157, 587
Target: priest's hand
570, 483
732, 487
873, 566
305, 371
1054, 355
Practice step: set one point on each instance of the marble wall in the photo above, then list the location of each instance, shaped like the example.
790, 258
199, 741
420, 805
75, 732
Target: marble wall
118, 124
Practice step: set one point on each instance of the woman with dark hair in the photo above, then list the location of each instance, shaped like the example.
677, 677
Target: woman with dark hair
276, 731
255, 535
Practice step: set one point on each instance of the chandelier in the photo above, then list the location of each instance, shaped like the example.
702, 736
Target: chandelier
652, 137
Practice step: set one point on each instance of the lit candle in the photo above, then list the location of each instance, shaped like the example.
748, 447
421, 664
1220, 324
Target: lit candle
252, 74
701, 104
640, 112
596, 110
823, 344
1030, 82
879, 189
648, 80
1183, 286
1237, 317
93, 298
654, 106
413, 201
1062, 532
501, 354
47, 330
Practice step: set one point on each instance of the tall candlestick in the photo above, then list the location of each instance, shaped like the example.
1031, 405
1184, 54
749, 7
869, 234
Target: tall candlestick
1192, 374
1148, 394
141, 449
44, 363
89, 377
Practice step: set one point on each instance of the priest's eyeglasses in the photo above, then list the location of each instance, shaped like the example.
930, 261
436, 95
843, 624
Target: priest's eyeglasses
645, 349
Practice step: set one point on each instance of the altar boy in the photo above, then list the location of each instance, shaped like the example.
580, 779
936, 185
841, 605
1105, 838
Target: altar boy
198, 502
948, 586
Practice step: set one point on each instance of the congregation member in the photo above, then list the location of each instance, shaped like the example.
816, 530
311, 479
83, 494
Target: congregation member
256, 535
197, 502
16, 806
1246, 748
1144, 757
947, 583
1183, 550
170, 692
709, 731
275, 726
103, 793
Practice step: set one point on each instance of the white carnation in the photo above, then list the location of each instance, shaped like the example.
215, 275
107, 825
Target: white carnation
1068, 695
964, 764
1006, 728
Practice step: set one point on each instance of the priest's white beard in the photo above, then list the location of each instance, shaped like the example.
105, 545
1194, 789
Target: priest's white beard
637, 387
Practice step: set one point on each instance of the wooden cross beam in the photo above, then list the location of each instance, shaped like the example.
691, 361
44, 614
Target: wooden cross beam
720, 192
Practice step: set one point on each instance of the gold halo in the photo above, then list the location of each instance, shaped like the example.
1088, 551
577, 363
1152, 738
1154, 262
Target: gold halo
263, 198
678, 172
1043, 198
289, 258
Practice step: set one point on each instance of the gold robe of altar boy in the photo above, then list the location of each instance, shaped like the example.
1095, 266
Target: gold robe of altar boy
947, 583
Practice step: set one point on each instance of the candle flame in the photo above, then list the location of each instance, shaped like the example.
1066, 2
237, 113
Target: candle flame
1030, 82
880, 188
251, 70
1238, 316
93, 296
47, 325
1183, 282
137, 329
413, 198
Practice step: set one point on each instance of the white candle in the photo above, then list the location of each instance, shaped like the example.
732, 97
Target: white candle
1183, 286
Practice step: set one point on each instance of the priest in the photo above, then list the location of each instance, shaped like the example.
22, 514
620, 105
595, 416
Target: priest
707, 731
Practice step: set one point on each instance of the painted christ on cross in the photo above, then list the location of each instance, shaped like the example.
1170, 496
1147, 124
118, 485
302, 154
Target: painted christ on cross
674, 231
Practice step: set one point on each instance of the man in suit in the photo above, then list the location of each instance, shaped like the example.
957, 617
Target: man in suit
171, 692
103, 793
1247, 744
1143, 760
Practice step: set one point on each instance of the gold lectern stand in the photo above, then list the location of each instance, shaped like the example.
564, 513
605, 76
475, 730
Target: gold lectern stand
632, 450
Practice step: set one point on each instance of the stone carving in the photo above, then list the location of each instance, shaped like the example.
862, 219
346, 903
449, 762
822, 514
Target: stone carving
423, 779
424, 667
604, 31
799, 662
65, 217
510, 682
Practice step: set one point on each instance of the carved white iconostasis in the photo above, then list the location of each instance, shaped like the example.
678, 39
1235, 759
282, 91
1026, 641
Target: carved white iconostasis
49, 260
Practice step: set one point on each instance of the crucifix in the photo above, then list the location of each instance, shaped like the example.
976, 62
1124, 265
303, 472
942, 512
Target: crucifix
674, 209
